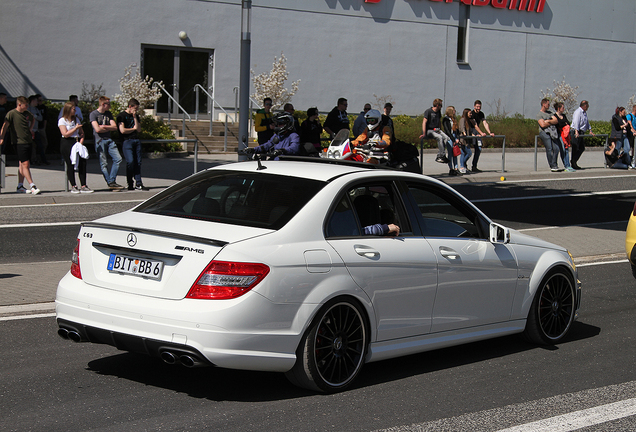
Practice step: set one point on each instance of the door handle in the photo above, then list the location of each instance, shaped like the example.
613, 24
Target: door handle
366, 251
448, 253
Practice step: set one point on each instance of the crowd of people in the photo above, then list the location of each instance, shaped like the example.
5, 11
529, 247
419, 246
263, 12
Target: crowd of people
26, 125
282, 133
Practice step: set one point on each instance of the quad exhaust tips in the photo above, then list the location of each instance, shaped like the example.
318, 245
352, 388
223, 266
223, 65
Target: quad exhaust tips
185, 359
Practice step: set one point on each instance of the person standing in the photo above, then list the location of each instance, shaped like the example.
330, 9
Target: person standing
562, 122
263, 124
289, 108
42, 129
360, 124
311, 129
580, 125
78, 112
631, 118
72, 146
33, 109
337, 119
547, 122
466, 125
480, 119
388, 121
129, 126
103, 124
21, 121
431, 128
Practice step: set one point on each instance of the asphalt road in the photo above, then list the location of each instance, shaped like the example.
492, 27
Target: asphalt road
49, 384
55, 385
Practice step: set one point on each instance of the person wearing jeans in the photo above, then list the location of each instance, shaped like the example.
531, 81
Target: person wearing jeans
103, 124
547, 122
129, 126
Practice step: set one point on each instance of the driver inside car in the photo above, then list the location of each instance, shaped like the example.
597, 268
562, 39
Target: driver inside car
376, 133
285, 140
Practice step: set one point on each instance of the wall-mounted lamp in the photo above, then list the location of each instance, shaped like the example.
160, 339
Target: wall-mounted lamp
183, 35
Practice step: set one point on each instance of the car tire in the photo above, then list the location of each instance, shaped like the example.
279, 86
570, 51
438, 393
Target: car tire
634, 271
332, 351
553, 309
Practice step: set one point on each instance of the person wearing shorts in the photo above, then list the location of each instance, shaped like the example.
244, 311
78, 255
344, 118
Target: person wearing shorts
21, 122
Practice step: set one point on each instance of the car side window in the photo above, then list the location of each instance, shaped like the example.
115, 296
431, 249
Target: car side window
440, 217
342, 222
364, 205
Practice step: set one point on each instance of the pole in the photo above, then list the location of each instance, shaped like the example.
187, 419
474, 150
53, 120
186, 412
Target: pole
244, 89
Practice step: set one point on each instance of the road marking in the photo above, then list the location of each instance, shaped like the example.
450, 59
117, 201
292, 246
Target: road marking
20, 317
568, 179
602, 263
580, 419
573, 226
71, 204
570, 195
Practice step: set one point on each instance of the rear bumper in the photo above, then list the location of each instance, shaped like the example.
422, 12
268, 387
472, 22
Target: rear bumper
236, 334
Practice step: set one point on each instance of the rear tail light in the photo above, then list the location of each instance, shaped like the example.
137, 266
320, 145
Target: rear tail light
223, 280
75, 264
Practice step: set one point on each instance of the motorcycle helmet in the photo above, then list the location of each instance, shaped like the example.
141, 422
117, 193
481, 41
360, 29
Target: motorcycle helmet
284, 122
373, 118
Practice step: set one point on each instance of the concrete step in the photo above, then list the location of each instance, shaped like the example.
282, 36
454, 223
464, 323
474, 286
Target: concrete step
214, 143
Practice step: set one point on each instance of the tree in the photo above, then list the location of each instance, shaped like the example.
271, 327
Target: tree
132, 85
564, 93
272, 85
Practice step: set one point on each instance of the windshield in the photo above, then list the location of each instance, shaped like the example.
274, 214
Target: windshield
235, 197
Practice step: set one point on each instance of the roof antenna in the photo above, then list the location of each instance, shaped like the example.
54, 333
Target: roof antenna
260, 165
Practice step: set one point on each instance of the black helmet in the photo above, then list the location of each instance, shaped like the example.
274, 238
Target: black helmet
284, 122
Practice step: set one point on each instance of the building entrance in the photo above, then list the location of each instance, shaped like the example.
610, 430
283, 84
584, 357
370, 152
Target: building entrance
180, 69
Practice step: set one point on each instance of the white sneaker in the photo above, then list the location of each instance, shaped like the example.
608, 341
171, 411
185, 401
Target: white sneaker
86, 189
74, 190
22, 189
34, 190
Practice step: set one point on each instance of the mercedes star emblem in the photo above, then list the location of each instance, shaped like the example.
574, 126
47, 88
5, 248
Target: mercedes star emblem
132, 239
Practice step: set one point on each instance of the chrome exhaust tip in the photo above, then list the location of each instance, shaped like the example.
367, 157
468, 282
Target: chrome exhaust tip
63, 333
187, 361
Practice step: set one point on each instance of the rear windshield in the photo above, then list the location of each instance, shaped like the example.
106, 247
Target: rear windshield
235, 197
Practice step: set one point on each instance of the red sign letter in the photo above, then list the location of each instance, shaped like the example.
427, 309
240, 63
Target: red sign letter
499, 3
480, 2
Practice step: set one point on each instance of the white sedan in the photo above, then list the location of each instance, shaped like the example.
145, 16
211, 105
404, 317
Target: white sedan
267, 267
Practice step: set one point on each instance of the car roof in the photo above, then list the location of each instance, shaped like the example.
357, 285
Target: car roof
315, 170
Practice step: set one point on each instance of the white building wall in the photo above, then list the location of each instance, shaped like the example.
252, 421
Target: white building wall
402, 48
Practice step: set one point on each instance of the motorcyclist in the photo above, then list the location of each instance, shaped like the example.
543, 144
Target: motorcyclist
376, 133
285, 140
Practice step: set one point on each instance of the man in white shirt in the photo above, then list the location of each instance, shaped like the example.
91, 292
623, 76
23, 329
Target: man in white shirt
580, 125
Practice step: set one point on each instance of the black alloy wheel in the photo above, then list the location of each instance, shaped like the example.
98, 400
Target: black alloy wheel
553, 309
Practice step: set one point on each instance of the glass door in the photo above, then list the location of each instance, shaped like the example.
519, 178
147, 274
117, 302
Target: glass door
180, 69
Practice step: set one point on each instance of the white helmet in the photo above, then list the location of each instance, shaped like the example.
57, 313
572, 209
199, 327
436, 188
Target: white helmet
373, 118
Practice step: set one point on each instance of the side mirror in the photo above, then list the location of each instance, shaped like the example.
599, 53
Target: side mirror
499, 234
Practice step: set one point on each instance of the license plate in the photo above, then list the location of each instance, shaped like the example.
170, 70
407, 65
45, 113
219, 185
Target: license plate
135, 266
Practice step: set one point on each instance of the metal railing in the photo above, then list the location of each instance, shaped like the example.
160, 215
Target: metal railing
211, 112
472, 138
144, 141
536, 141
170, 98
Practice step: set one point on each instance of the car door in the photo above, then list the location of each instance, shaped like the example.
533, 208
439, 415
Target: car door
476, 278
398, 273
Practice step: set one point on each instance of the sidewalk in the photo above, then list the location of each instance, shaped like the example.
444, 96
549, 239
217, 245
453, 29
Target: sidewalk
41, 278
